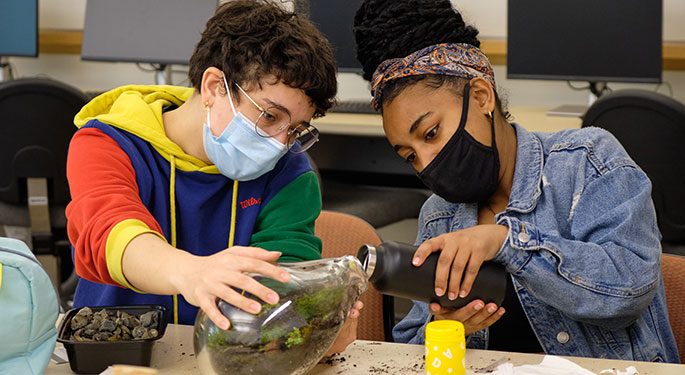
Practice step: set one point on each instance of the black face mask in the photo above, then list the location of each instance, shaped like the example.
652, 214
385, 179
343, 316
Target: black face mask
465, 170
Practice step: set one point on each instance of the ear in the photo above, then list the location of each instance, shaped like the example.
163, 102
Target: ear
212, 85
483, 94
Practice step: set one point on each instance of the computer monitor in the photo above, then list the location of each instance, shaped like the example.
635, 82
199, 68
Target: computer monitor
335, 19
147, 31
19, 28
18, 32
585, 40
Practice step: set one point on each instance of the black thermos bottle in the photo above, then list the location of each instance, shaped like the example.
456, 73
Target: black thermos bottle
389, 268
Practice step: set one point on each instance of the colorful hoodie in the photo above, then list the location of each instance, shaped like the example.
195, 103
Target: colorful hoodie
127, 178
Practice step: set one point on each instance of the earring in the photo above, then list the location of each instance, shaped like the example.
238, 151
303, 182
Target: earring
206, 110
490, 114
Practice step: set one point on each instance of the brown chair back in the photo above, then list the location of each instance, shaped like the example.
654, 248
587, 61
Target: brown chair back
344, 234
673, 267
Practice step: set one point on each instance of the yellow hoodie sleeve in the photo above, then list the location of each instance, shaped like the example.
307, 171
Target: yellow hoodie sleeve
119, 237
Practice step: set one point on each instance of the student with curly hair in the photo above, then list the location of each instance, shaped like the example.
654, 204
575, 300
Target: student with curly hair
568, 214
178, 192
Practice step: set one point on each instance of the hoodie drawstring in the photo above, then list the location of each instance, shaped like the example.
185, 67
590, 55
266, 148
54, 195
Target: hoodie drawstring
172, 207
234, 208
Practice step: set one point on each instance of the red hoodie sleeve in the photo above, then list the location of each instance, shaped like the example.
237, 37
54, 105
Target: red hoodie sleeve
105, 206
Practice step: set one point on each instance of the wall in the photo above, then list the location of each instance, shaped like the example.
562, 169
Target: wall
489, 16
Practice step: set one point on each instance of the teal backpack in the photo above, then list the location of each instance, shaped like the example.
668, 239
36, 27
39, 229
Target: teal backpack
28, 311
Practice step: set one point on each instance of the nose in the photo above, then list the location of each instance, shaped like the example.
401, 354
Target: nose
282, 136
421, 164
424, 156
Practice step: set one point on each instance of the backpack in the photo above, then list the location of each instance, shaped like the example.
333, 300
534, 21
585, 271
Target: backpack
28, 311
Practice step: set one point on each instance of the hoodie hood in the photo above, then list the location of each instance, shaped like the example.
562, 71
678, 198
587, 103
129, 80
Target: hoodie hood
137, 109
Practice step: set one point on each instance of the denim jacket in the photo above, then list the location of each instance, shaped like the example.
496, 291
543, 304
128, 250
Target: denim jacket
583, 249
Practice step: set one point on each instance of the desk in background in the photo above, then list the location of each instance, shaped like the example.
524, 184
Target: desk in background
173, 355
534, 119
353, 147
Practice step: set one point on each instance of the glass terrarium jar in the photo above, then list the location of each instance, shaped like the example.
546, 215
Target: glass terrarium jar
291, 336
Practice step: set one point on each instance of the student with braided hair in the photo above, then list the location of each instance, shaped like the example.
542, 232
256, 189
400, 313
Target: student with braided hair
568, 214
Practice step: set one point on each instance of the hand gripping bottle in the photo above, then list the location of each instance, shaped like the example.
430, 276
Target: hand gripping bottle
389, 268
445, 348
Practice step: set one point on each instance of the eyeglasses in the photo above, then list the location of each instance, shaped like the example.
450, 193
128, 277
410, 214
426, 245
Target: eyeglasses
275, 120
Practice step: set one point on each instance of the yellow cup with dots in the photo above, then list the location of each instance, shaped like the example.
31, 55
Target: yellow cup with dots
445, 348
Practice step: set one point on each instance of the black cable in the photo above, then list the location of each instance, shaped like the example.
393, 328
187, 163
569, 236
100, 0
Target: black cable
12, 70
599, 88
149, 70
578, 88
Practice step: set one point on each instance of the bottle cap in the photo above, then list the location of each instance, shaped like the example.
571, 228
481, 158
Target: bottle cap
367, 256
445, 330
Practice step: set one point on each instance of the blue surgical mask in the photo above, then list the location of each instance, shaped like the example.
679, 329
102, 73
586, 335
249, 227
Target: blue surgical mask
239, 152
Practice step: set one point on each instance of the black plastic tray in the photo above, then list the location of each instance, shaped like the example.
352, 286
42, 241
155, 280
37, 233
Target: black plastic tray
93, 357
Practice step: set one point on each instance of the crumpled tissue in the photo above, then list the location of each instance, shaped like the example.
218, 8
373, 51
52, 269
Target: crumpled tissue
553, 365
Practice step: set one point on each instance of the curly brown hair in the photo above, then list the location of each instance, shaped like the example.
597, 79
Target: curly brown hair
250, 40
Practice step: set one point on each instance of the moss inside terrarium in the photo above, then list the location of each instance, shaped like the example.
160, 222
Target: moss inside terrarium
313, 318
294, 338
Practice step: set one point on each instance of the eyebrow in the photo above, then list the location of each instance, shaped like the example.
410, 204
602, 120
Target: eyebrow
284, 108
417, 122
280, 106
413, 127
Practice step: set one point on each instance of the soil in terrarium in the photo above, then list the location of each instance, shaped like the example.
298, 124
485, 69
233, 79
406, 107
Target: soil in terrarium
316, 319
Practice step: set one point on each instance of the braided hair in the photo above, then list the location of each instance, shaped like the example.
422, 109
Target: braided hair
386, 29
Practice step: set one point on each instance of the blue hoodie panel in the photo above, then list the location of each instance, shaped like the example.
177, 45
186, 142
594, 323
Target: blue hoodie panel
203, 212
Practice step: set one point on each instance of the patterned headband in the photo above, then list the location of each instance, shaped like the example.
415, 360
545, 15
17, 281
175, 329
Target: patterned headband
452, 59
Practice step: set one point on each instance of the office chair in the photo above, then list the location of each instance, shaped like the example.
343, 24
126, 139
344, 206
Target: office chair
364, 177
651, 127
674, 283
36, 125
344, 234
378, 205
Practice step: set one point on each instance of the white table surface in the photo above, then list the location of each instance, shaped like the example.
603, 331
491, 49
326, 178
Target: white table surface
534, 119
173, 355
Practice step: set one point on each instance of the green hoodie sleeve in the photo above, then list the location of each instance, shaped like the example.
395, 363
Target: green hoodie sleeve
286, 223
